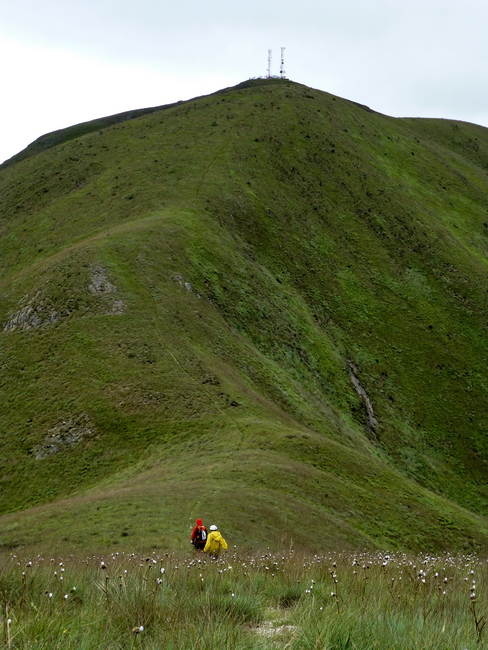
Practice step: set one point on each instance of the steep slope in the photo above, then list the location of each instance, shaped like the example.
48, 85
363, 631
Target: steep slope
265, 306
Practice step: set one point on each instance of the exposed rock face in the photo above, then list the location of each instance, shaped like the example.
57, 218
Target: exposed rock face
36, 309
372, 421
99, 282
101, 287
35, 313
64, 435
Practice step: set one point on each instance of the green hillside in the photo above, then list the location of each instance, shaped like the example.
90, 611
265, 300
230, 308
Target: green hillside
266, 307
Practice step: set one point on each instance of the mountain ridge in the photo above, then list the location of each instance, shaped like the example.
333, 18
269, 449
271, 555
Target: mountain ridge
201, 284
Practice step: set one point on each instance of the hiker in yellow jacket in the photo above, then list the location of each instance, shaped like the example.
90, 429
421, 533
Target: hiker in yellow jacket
215, 542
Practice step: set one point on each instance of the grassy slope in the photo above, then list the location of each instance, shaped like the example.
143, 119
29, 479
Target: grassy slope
259, 239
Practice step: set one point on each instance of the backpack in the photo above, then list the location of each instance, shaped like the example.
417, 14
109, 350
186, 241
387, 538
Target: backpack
200, 534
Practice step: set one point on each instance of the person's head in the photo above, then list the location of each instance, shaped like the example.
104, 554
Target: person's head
213, 527
199, 522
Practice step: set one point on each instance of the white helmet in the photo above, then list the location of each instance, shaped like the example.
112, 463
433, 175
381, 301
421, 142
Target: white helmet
213, 527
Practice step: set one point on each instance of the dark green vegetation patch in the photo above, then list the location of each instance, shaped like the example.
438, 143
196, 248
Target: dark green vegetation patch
267, 306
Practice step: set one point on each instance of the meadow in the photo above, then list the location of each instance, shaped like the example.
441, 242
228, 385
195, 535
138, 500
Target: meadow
244, 600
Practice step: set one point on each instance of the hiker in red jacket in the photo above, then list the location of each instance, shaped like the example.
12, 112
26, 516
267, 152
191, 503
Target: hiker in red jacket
199, 536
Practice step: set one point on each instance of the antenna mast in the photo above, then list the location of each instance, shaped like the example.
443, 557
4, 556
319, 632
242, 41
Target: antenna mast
269, 64
282, 67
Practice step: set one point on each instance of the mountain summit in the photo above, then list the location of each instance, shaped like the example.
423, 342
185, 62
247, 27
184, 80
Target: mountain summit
266, 307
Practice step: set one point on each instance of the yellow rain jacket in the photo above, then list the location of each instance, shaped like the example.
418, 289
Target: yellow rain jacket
215, 543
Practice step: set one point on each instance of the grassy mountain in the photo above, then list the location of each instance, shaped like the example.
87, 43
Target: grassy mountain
266, 307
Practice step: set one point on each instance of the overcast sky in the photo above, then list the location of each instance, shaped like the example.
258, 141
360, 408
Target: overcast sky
66, 61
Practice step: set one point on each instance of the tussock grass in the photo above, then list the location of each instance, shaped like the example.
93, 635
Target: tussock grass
327, 601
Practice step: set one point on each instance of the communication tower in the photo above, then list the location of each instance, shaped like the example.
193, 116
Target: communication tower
269, 64
282, 66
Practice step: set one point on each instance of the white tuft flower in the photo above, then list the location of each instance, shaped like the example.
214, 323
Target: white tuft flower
162, 570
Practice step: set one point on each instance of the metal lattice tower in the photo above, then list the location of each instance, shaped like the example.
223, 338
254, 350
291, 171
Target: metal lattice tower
282, 66
269, 64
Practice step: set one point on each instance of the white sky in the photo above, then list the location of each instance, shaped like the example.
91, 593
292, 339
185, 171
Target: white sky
65, 62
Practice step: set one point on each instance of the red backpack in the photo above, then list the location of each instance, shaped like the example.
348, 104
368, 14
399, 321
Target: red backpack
200, 535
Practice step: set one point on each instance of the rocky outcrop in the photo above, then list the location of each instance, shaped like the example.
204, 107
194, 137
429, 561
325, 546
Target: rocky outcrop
372, 421
64, 435
35, 313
